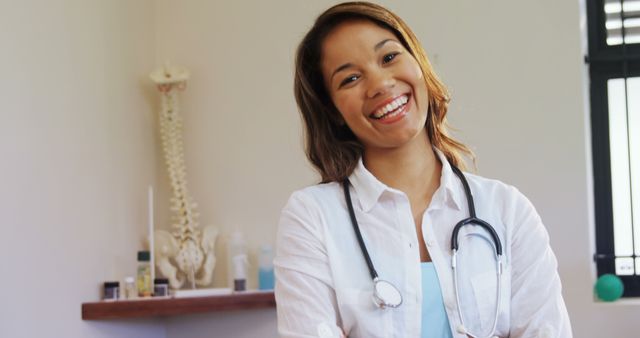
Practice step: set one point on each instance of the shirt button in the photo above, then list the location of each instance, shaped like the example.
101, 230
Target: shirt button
430, 243
461, 329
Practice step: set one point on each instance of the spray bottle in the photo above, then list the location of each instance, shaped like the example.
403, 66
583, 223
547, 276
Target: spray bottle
265, 269
238, 261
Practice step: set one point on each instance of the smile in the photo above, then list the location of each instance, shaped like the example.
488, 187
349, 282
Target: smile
391, 109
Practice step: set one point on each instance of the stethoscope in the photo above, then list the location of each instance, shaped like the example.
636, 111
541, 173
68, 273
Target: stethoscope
386, 295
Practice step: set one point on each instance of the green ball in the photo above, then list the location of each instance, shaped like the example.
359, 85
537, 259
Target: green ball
609, 287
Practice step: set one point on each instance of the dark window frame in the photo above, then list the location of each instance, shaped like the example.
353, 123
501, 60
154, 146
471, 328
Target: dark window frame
606, 62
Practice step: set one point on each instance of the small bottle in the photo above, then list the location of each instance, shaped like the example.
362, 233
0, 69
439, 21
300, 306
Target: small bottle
144, 275
130, 290
237, 253
160, 287
240, 273
111, 291
265, 269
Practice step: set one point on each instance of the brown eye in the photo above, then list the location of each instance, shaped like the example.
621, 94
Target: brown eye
348, 80
389, 57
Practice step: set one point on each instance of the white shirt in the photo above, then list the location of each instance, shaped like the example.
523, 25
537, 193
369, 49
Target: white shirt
323, 285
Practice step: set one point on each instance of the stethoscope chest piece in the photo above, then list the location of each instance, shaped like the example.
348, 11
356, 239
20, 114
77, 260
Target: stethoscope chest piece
385, 294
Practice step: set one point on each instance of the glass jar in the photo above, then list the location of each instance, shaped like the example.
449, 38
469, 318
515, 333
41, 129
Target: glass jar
111, 291
160, 287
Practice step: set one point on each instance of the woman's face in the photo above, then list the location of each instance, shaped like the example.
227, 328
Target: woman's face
375, 83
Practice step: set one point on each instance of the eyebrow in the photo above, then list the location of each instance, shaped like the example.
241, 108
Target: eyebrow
375, 48
381, 43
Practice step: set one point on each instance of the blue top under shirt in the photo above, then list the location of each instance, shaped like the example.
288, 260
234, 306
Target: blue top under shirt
435, 323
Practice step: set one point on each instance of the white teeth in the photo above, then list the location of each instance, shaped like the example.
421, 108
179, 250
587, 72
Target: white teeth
391, 106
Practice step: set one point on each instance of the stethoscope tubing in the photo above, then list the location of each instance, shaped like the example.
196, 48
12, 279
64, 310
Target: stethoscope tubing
356, 228
472, 219
454, 264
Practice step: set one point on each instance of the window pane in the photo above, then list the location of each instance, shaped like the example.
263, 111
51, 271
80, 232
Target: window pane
620, 179
633, 104
624, 266
613, 22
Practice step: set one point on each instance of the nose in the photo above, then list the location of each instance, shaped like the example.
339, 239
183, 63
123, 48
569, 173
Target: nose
379, 83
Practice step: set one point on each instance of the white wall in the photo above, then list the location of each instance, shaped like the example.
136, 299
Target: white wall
516, 76
77, 149
79, 145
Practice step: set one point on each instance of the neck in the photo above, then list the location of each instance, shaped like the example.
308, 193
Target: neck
413, 169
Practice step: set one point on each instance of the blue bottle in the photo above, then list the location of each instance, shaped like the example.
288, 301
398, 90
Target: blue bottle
265, 270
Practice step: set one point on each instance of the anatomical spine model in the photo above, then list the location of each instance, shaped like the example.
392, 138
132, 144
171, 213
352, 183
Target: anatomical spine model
187, 252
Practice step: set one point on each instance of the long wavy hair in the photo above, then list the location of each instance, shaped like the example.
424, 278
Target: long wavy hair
330, 145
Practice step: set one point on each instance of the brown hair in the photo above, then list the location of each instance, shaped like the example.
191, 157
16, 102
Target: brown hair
330, 145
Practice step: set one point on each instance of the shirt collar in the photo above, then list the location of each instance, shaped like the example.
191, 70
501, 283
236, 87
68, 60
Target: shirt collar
450, 186
369, 189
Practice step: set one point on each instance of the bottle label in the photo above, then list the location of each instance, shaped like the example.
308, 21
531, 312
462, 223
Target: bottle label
160, 291
144, 281
111, 293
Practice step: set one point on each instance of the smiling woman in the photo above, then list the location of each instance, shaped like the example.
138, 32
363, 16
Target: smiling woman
451, 254
331, 147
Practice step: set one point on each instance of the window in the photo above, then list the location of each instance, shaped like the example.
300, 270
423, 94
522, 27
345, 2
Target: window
614, 69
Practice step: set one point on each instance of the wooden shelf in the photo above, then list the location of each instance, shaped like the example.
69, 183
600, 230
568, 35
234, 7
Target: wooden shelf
153, 307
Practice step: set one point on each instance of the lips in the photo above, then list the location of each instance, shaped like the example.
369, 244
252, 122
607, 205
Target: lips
390, 108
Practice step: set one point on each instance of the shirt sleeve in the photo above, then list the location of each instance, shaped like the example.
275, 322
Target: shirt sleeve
537, 306
306, 301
